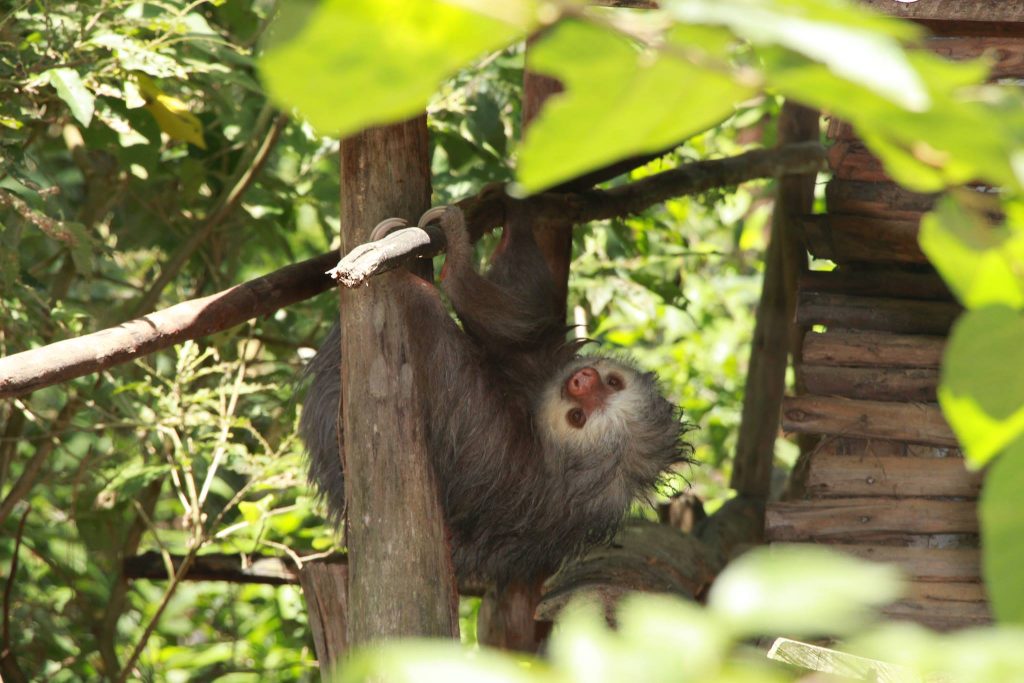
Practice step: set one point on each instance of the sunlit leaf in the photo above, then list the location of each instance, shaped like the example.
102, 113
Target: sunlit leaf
70, 88
134, 55
357, 63
800, 590
620, 100
686, 640
852, 42
982, 385
415, 661
1002, 533
982, 264
923, 150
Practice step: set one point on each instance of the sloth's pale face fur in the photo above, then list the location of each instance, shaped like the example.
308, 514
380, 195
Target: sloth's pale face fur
606, 425
619, 400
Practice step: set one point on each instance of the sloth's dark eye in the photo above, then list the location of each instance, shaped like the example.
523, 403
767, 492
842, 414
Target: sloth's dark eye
576, 417
616, 382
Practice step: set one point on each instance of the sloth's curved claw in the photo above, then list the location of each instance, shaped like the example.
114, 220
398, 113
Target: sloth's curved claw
385, 226
432, 215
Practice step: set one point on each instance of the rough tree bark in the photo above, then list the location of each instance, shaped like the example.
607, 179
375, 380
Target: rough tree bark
400, 574
399, 580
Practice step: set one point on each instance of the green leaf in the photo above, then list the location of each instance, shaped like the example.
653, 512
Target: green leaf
358, 63
72, 90
800, 590
134, 55
253, 511
438, 660
982, 264
923, 150
853, 43
619, 101
982, 386
670, 635
1002, 533
132, 478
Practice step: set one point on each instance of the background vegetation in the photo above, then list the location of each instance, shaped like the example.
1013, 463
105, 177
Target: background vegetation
143, 164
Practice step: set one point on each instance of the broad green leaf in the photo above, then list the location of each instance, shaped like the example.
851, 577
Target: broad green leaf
620, 100
982, 386
70, 88
254, 510
414, 661
684, 640
131, 479
1002, 533
977, 655
358, 63
982, 264
134, 55
923, 150
852, 42
659, 639
800, 590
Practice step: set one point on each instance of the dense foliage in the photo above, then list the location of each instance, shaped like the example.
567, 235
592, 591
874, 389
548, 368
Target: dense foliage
143, 164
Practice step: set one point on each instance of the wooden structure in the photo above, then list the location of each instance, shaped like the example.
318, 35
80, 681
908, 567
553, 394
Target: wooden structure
886, 478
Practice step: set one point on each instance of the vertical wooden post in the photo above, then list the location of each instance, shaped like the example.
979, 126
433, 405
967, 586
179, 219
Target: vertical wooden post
773, 329
324, 585
400, 574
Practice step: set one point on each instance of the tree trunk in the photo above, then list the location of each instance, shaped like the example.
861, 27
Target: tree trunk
400, 574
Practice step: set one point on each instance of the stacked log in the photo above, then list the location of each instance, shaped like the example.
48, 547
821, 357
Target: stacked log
886, 480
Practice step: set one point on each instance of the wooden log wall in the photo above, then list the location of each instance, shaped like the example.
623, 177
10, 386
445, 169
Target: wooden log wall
886, 480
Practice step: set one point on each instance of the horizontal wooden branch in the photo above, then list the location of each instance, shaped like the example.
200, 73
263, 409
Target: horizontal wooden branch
263, 569
61, 361
915, 422
851, 476
27, 371
793, 159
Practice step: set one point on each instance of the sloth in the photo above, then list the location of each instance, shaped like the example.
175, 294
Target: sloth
538, 450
